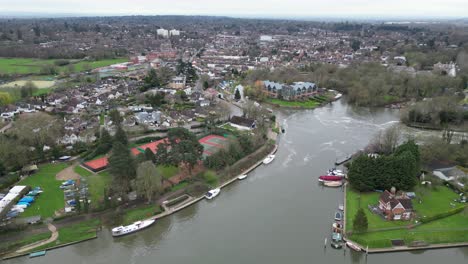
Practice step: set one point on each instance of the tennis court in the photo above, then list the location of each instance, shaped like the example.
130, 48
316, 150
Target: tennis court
212, 144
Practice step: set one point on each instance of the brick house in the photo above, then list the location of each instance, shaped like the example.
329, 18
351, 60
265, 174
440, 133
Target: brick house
395, 207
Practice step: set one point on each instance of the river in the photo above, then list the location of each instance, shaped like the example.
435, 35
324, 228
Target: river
279, 214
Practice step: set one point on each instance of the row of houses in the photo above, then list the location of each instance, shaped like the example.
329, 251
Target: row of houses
294, 91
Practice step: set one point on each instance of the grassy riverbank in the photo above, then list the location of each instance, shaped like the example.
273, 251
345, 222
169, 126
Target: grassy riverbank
308, 103
76, 233
434, 201
9, 246
140, 213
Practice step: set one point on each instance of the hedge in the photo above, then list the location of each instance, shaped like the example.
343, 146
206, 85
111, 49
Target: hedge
442, 215
147, 140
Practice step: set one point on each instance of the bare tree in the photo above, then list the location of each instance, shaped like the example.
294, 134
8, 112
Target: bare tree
149, 180
387, 141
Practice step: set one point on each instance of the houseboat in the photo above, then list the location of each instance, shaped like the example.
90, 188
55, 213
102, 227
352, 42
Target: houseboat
125, 230
212, 193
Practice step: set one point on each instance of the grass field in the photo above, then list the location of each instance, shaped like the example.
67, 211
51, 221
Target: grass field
295, 104
33, 66
52, 198
96, 184
82, 231
140, 213
41, 84
445, 230
8, 246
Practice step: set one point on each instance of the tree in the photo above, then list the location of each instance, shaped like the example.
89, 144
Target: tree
355, 44
120, 136
148, 180
151, 80
115, 116
237, 95
2, 169
121, 167
206, 85
105, 143
360, 223
162, 154
149, 155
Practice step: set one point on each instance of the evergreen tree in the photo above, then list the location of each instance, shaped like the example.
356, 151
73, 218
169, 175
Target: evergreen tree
162, 155
149, 155
121, 167
115, 117
120, 136
360, 223
2, 168
237, 95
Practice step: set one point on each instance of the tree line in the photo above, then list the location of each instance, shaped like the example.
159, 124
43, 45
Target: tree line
399, 169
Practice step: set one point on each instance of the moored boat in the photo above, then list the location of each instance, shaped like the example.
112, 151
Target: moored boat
341, 207
37, 254
125, 230
333, 183
325, 178
269, 159
336, 245
343, 160
212, 193
241, 177
353, 246
338, 216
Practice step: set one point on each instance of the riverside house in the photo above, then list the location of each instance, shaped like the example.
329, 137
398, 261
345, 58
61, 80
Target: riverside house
288, 92
395, 206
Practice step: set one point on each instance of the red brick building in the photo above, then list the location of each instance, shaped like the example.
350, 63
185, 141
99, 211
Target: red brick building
395, 207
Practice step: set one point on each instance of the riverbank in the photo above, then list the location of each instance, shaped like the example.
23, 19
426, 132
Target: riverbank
167, 210
394, 236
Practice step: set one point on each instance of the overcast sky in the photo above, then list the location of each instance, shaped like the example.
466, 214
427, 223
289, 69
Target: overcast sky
272, 8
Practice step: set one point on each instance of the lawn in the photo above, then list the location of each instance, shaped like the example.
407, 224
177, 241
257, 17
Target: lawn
446, 230
33, 66
140, 213
355, 200
82, 231
434, 200
295, 104
168, 171
40, 84
96, 184
4, 247
52, 198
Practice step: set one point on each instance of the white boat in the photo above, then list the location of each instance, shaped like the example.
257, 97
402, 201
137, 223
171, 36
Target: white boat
341, 207
332, 183
241, 177
335, 172
338, 96
353, 246
212, 193
269, 159
125, 230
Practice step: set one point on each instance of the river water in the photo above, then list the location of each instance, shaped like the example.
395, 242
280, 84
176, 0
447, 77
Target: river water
279, 214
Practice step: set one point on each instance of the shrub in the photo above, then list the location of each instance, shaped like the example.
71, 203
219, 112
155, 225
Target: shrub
210, 178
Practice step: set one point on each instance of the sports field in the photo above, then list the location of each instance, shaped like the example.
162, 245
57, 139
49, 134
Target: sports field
212, 144
41, 84
33, 66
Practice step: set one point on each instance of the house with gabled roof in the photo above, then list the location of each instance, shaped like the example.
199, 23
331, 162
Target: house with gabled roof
395, 207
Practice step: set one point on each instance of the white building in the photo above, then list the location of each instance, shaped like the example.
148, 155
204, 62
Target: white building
162, 32
174, 32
